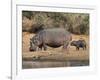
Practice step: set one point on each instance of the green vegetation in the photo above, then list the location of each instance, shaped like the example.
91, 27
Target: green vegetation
76, 23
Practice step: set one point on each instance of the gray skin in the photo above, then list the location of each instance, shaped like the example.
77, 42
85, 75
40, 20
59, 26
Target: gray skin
55, 37
79, 44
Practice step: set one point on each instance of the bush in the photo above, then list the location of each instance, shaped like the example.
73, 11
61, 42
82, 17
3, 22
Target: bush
76, 23
36, 28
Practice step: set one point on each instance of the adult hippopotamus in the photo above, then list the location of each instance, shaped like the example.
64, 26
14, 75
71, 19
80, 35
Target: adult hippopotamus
79, 44
55, 37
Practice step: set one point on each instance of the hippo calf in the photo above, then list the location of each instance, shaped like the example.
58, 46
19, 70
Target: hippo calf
54, 37
79, 44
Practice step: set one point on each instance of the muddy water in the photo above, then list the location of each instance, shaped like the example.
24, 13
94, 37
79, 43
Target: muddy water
51, 64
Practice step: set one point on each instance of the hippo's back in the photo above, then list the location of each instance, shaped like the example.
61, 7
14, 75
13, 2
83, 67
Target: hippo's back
55, 31
55, 35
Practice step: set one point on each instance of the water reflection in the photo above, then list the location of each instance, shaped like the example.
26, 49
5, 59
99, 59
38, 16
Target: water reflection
51, 64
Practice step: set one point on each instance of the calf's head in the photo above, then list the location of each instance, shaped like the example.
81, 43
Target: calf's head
73, 43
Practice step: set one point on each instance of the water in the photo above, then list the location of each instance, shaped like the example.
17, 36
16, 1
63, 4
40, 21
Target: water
51, 64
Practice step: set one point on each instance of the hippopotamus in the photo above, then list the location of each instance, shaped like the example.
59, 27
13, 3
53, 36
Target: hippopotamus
79, 44
54, 38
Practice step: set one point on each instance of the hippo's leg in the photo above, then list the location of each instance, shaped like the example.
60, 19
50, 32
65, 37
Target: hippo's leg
40, 48
45, 47
77, 48
65, 45
85, 47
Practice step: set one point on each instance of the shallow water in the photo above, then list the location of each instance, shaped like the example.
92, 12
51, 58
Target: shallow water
51, 64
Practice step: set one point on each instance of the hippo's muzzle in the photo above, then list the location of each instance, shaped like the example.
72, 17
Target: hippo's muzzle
32, 47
